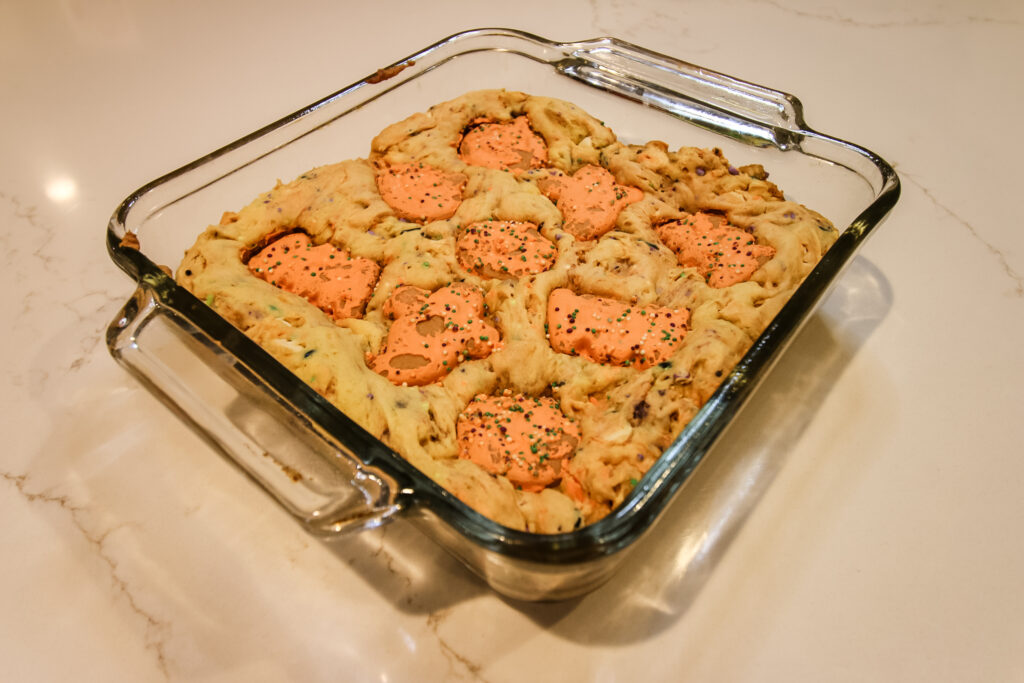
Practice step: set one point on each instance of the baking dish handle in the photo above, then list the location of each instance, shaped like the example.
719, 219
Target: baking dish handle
746, 111
312, 476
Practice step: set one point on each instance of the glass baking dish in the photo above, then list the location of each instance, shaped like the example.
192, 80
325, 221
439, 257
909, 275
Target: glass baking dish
320, 466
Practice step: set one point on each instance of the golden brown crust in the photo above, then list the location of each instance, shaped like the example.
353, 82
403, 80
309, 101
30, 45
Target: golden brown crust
626, 416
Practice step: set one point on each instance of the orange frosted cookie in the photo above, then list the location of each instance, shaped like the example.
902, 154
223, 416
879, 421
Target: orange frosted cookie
421, 192
327, 277
521, 437
432, 333
507, 146
609, 331
590, 200
724, 255
504, 249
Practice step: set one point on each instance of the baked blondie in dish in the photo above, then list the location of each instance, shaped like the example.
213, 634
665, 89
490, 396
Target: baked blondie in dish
524, 307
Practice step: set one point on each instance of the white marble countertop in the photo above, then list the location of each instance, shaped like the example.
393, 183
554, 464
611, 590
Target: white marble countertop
884, 544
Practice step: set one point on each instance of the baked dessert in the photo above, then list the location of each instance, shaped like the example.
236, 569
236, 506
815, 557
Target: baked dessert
524, 307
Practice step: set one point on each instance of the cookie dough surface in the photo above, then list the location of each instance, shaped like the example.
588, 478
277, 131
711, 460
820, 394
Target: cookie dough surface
462, 298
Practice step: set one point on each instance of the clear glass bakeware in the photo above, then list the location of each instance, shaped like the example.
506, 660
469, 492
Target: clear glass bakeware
330, 474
